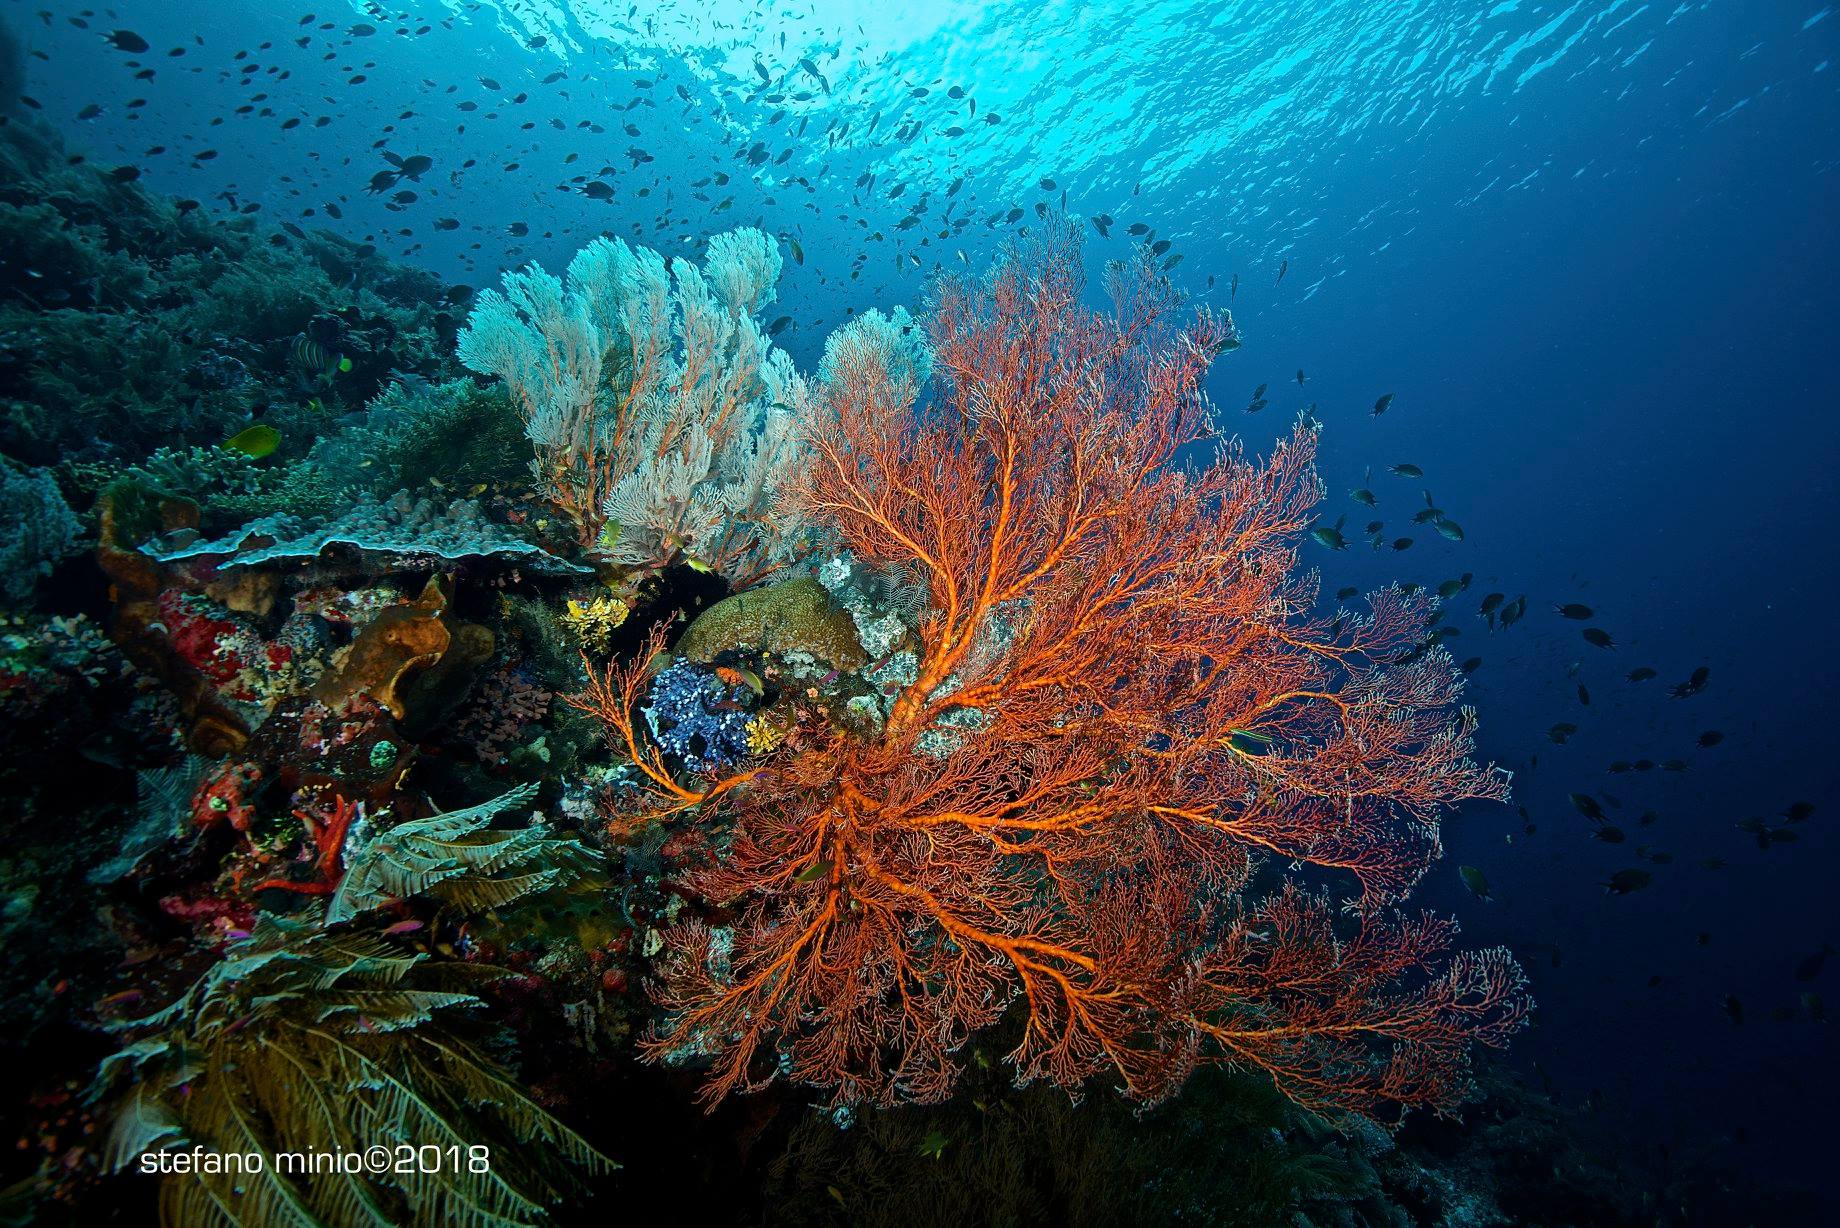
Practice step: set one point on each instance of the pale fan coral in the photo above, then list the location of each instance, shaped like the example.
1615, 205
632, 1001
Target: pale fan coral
661, 416
876, 358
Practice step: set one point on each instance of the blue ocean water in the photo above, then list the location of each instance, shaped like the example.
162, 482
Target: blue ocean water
1589, 248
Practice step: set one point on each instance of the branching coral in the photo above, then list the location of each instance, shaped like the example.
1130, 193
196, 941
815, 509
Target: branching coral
593, 622
658, 411
143, 324
1139, 704
507, 703
456, 433
329, 824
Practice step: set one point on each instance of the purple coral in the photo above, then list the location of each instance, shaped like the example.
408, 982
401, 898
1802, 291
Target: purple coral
694, 715
507, 702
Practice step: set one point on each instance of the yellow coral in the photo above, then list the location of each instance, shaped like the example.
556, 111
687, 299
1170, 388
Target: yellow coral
592, 623
763, 734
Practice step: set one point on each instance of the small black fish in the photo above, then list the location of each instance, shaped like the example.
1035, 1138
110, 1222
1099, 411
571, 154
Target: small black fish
1588, 806
1733, 1008
1710, 738
1625, 881
411, 167
126, 40
1811, 967
1330, 536
1597, 637
1380, 406
1640, 674
1573, 610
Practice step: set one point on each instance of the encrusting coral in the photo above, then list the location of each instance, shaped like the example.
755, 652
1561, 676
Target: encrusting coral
792, 616
404, 650
1119, 703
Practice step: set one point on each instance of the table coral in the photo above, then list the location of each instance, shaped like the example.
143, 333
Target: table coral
398, 528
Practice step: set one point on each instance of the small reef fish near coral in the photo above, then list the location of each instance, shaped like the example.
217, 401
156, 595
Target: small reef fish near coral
614, 605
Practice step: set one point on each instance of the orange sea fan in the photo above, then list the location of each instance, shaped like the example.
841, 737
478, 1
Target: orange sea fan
1122, 699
